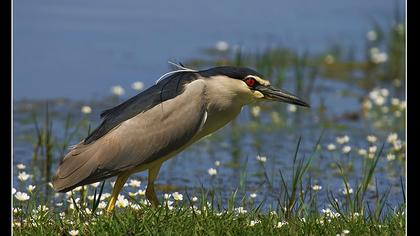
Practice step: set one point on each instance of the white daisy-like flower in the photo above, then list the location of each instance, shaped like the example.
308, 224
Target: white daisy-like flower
240, 210
177, 196
372, 149
316, 187
372, 35
253, 195
362, 152
166, 196
121, 202
212, 171
59, 204
23, 176
261, 158
134, 183
331, 147
86, 109
77, 189
217, 163
345, 192
142, 192
137, 85
395, 101
346, 149
345, 231
20, 166
371, 138
291, 108
384, 92
390, 157
222, 46
102, 205
117, 90
30, 188
281, 224
255, 111
21, 196
73, 232
254, 222
342, 140
392, 137
194, 199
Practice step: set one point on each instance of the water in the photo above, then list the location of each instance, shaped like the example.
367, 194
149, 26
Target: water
78, 49
73, 52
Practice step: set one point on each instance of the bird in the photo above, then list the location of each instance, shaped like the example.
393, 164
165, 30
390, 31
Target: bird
155, 125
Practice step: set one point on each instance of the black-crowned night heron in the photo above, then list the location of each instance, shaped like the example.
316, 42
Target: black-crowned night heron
158, 123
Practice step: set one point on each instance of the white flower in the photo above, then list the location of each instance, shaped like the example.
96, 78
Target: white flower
403, 105
392, 137
378, 57
384, 92
13, 191
345, 192
371, 138
329, 59
397, 113
255, 111
134, 183
331, 147
20, 166
397, 145
261, 158
372, 149
395, 101
379, 101
102, 205
135, 206
105, 196
121, 202
362, 152
23, 176
342, 140
166, 196
372, 35
117, 90
291, 108
240, 210
390, 157
142, 192
222, 46
345, 231
212, 171
346, 149
316, 187
30, 188
137, 85
74, 232
59, 204
177, 196
253, 195
280, 224
217, 163
253, 222
86, 109
22, 196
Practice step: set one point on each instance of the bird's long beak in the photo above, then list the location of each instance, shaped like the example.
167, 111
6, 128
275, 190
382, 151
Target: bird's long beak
280, 95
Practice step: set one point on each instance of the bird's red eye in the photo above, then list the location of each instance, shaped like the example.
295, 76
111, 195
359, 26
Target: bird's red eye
250, 82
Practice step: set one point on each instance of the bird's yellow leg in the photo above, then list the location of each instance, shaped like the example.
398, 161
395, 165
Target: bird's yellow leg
150, 190
119, 183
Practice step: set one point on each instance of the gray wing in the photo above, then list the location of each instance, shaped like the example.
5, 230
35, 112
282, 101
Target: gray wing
166, 89
144, 138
